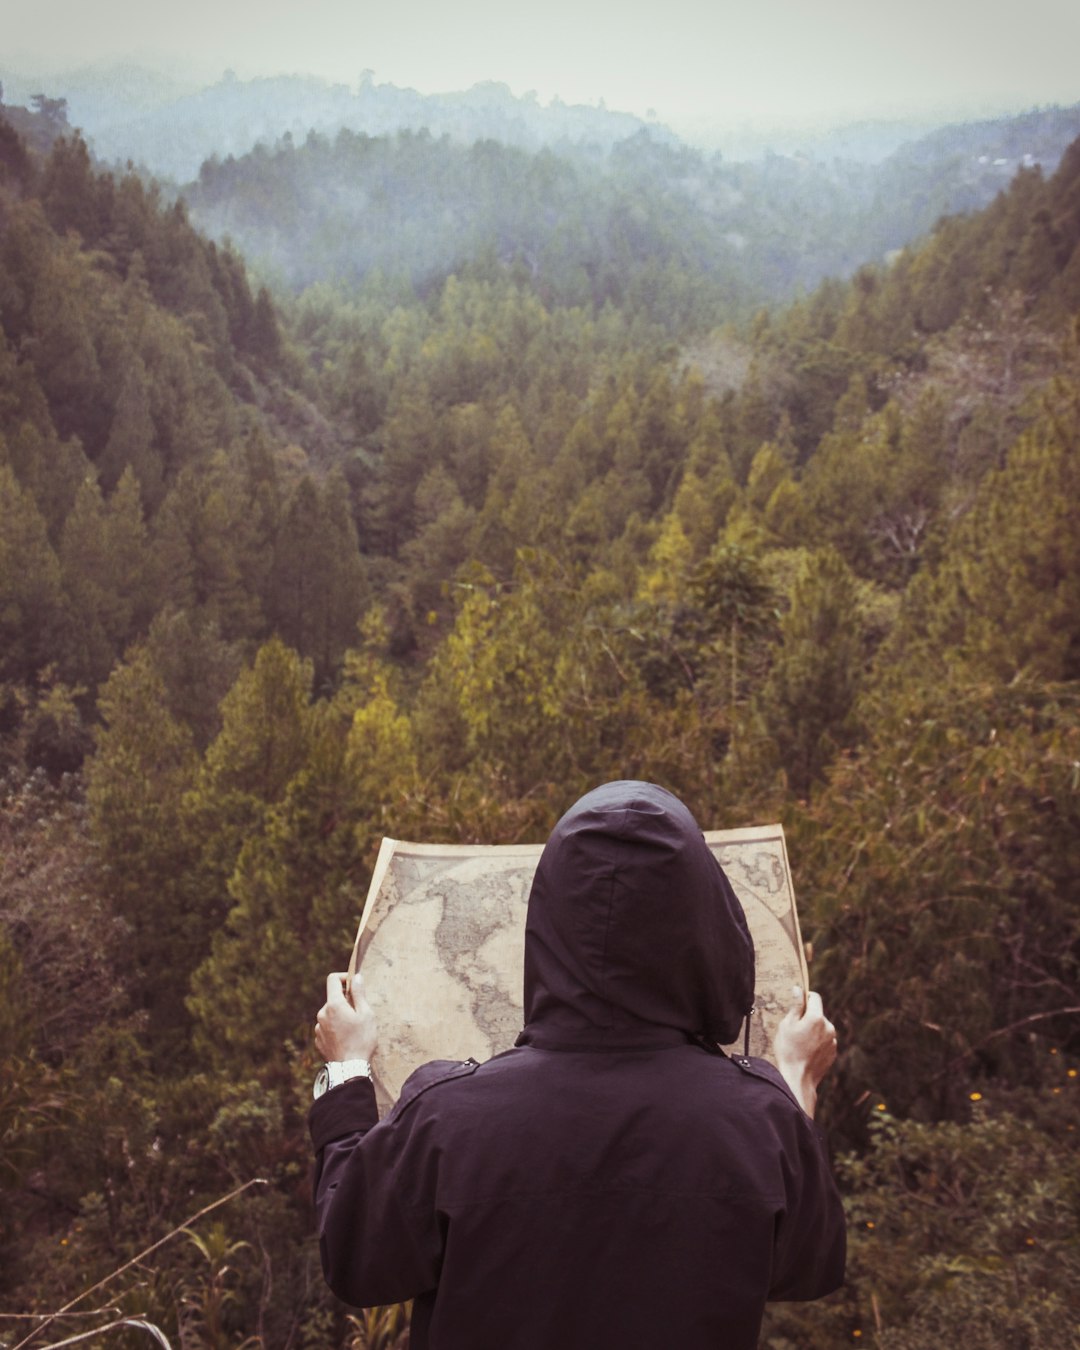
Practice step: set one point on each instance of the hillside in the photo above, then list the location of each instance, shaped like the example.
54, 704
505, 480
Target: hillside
282, 574
646, 222
313, 180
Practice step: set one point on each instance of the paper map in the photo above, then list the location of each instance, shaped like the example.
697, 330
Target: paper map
441, 944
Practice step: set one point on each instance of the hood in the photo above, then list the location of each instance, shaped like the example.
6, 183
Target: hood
634, 935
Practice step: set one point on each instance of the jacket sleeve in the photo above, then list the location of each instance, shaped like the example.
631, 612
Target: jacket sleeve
810, 1239
378, 1232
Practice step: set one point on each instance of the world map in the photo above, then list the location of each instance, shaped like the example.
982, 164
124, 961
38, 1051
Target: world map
440, 946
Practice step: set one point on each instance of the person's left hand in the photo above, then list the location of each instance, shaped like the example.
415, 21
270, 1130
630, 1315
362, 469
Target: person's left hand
805, 1047
344, 1029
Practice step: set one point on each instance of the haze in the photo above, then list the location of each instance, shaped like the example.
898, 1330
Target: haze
694, 64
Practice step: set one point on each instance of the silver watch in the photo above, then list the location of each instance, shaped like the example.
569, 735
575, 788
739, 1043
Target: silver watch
338, 1071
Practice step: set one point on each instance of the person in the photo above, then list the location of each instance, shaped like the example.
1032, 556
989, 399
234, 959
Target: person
614, 1180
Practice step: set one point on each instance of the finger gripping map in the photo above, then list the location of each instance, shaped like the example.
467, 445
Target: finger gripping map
441, 945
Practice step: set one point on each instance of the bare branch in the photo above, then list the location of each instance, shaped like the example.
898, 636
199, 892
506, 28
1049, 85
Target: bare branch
180, 1228
994, 1035
139, 1323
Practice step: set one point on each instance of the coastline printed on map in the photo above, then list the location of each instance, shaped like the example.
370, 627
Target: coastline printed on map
441, 945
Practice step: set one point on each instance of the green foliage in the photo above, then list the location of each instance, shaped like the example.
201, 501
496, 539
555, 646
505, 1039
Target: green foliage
380, 1329
207, 1301
108, 577
305, 824
959, 1233
1023, 597
697, 615
963, 811
30, 597
808, 698
289, 576
317, 589
643, 223
529, 687
144, 765
422, 208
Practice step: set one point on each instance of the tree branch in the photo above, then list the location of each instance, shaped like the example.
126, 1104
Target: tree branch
180, 1228
993, 1036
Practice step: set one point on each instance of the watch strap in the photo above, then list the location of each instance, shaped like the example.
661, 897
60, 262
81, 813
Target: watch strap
341, 1070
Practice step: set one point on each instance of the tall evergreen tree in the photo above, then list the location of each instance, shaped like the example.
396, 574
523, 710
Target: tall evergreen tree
317, 589
30, 595
131, 442
809, 695
144, 765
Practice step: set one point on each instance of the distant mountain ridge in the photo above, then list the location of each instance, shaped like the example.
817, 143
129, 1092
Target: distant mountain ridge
315, 180
172, 135
169, 123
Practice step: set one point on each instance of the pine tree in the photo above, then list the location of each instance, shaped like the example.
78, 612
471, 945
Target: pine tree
83, 567
317, 588
1016, 567
298, 885
144, 765
30, 594
65, 357
810, 692
109, 577
738, 617
264, 742
131, 442
70, 192
265, 340
51, 470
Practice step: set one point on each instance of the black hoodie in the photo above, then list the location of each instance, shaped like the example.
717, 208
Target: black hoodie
614, 1180
634, 935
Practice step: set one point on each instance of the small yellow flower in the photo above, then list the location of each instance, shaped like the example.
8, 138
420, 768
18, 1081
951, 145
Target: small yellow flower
976, 1096
856, 1334
880, 1107
1030, 1242
869, 1223
1072, 1073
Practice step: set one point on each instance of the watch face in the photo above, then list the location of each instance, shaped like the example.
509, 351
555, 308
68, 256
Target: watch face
322, 1082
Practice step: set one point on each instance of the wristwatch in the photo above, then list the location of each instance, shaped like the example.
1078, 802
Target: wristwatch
338, 1071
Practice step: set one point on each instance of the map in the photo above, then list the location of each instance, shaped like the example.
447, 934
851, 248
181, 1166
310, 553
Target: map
441, 945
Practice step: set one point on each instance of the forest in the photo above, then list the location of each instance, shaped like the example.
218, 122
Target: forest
645, 223
290, 564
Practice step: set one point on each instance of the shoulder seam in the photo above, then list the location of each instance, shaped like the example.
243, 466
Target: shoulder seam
460, 1070
749, 1067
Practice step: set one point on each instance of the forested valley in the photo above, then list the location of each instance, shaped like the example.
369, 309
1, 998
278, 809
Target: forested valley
290, 561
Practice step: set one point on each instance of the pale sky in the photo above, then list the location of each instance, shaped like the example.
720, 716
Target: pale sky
737, 61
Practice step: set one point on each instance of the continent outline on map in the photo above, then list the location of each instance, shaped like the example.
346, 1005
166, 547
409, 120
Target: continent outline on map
428, 987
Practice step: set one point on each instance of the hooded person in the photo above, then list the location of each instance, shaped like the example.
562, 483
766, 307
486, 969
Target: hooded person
614, 1179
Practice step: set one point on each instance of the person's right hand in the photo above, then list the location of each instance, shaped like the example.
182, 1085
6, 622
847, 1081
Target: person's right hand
345, 1029
805, 1048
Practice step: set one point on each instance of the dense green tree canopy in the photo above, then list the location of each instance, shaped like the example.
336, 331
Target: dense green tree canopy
282, 574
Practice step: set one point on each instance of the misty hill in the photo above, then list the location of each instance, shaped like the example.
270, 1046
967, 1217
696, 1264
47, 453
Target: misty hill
317, 180
169, 123
591, 225
1041, 133
128, 113
629, 226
